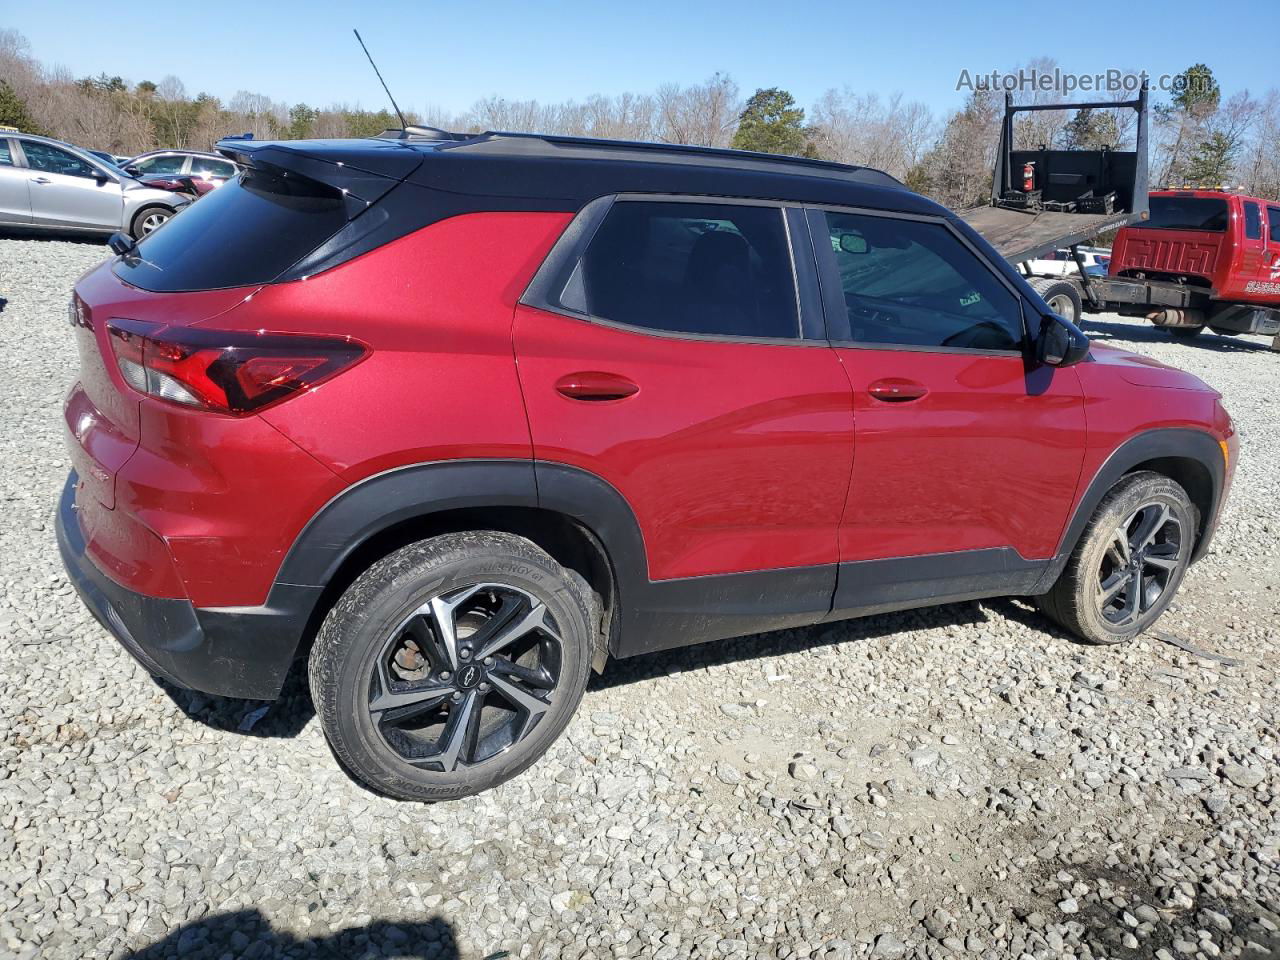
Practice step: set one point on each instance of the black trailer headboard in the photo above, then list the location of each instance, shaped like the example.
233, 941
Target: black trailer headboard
1066, 175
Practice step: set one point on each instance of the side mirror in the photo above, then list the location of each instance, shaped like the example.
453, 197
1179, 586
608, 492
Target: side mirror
121, 243
132, 171
101, 177
852, 243
1060, 343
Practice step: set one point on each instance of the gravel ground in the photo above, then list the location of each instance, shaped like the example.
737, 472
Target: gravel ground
961, 781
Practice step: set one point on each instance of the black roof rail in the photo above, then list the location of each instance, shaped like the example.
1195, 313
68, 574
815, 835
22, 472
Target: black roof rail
548, 145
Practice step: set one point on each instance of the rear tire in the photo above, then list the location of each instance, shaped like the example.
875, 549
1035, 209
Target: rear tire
417, 691
1185, 333
1062, 296
1129, 562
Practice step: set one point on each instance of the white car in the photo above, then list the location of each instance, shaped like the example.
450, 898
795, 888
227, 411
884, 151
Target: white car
49, 185
1060, 263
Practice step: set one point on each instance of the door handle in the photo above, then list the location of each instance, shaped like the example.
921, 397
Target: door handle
594, 386
41, 180
897, 390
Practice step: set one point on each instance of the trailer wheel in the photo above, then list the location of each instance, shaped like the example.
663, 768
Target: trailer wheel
1062, 296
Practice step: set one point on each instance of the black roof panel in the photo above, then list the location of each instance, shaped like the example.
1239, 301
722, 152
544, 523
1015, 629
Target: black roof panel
566, 172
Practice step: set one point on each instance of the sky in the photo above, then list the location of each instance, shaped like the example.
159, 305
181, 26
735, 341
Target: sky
449, 55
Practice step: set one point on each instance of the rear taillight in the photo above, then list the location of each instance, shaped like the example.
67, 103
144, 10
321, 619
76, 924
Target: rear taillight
227, 372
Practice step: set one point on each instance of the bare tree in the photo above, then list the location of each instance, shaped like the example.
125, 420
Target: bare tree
861, 129
957, 171
1259, 164
705, 114
258, 114
1030, 130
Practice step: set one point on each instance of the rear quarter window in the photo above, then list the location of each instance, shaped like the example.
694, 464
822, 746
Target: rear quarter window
1252, 221
247, 232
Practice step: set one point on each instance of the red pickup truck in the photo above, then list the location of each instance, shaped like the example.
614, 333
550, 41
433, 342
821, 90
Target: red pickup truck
1221, 250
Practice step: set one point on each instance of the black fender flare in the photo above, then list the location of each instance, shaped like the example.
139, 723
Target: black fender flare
650, 615
384, 500
380, 502
1162, 443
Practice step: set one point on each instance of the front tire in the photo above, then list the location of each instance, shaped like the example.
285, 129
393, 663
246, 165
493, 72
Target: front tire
1129, 562
148, 219
452, 665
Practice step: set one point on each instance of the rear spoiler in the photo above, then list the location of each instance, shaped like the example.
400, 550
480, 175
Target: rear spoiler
362, 173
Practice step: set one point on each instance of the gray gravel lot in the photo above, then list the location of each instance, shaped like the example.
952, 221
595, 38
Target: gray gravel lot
961, 781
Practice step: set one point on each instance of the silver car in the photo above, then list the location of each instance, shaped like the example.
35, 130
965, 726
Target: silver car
47, 184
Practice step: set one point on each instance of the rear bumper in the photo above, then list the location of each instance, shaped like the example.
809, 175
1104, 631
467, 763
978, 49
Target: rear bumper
229, 652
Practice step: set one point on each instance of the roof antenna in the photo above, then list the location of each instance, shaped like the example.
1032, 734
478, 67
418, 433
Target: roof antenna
404, 124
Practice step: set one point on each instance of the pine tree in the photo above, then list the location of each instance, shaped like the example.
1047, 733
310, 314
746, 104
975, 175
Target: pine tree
772, 123
13, 111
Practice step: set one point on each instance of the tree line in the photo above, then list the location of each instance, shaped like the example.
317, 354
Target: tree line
1199, 135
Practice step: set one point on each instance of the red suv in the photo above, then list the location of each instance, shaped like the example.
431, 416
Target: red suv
459, 419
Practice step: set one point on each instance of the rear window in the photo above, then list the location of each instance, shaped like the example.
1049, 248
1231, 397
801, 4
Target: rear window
246, 232
1188, 213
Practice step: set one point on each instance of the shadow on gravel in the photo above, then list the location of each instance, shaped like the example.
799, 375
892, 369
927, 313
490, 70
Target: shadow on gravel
1023, 610
1116, 333
1237, 926
67, 236
797, 640
285, 717
248, 934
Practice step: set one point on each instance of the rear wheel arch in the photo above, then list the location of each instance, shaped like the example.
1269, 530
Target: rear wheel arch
580, 520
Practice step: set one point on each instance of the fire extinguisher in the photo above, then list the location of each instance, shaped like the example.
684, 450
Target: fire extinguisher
1029, 176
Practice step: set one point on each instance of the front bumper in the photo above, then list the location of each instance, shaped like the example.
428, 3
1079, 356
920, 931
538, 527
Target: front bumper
229, 652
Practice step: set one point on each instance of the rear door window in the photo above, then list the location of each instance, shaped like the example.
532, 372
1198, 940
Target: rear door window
696, 268
913, 283
159, 165
50, 159
1273, 224
1252, 221
6, 154
244, 233
207, 166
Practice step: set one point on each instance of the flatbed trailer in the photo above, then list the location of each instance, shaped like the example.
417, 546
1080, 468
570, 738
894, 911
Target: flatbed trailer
1044, 200
1076, 195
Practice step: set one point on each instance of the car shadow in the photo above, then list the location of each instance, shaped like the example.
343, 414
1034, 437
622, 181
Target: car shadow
783, 642
247, 933
283, 717
68, 235
1115, 333
287, 716
1231, 922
